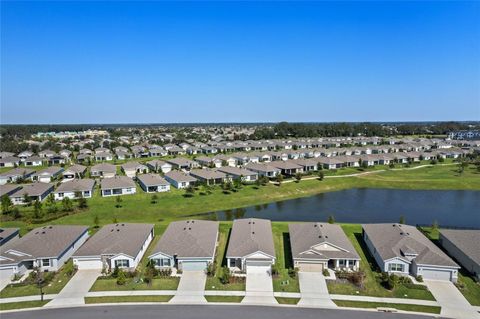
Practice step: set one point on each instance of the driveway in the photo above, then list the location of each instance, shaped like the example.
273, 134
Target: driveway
313, 290
259, 287
453, 304
191, 288
76, 289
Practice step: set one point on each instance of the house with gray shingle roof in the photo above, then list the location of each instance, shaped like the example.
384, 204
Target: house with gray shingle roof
103, 170
7, 234
404, 250
251, 245
317, 246
179, 179
131, 169
209, 176
35, 191
74, 171
48, 174
72, 187
159, 166
239, 173
462, 244
116, 245
187, 245
116, 186
16, 174
152, 183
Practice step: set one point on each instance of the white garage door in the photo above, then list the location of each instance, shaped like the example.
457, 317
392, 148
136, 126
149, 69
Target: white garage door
436, 274
6, 274
194, 265
89, 264
310, 267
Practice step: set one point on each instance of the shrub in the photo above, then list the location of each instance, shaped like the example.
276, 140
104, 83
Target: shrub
325, 273
121, 278
166, 272
405, 280
419, 278
224, 275
274, 270
292, 272
69, 269
211, 270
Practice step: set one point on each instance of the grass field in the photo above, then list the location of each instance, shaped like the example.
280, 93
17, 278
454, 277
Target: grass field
115, 299
404, 307
22, 305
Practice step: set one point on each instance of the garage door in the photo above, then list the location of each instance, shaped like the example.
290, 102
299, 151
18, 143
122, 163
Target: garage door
258, 263
194, 265
6, 274
89, 264
436, 274
310, 267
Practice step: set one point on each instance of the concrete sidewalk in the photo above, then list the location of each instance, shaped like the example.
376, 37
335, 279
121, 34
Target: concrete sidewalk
313, 290
27, 298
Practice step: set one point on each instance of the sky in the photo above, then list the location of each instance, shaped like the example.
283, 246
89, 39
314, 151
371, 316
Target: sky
166, 62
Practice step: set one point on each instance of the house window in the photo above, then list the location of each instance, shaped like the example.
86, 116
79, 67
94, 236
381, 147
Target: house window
395, 267
342, 262
162, 262
232, 262
122, 263
86, 193
45, 262
60, 194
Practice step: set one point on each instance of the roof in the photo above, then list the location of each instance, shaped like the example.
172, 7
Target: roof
9, 159
261, 167
207, 174
152, 180
113, 239
6, 233
157, 163
104, 167
76, 185
236, 171
117, 182
181, 161
52, 170
19, 171
249, 236
189, 238
180, 177
465, 240
133, 165
76, 169
397, 240
46, 241
34, 189
307, 239
8, 189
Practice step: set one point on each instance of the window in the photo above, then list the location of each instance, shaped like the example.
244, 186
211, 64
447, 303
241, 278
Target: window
86, 193
122, 263
395, 267
232, 262
60, 194
45, 262
342, 262
162, 262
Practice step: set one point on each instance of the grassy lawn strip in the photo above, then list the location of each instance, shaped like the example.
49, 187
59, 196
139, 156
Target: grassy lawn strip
115, 299
22, 304
287, 301
54, 287
371, 286
170, 283
224, 298
283, 282
365, 304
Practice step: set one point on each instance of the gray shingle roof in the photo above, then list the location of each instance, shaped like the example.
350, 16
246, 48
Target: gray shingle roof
117, 182
249, 236
189, 238
180, 177
76, 185
465, 240
152, 180
236, 171
207, 174
305, 236
34, 189
113, 239
104, 167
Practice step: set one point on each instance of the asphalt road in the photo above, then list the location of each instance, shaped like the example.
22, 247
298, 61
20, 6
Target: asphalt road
200, 312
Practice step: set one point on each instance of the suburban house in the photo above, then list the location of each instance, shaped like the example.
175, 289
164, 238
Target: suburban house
46, 153
9, 189
287, 167
10, 161
228, 160
330, 162
187, 245
179, 179
209, 161
308, 165
16, 174
263, 169
131, 169
251, 245
463, 246
118, 185
33, 161
7, 234
34, 191
103, 154
74, 171
103, 170
24, 155
152, 183
159, 166
47, 247
318, 246
239, 173
47, 175
404, 250
57, 160
208, 176
82, 158
72, 187
115, 245
6, 154
182, 163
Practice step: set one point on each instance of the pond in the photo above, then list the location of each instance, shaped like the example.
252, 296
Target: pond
448, 208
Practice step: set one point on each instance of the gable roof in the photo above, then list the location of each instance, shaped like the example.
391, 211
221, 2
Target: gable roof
465, 240
104, 167
249, 236
180, 177
117, 182
151, 180
189, 238
34, 189
76, 185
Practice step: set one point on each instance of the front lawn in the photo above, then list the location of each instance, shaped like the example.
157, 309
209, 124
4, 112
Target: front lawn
115, 299
110, 284
224, 298
59, 280
287, 301
23, 304
404, 307
283, 281
469, 287
371, 286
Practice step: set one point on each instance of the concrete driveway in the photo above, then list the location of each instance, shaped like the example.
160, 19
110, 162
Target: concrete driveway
453, 304
76, 289
259, 287
313, 290
191, 288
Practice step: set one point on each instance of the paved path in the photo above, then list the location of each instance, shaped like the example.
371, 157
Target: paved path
313, 290
191, 288
259, 287
27, 298
74, 292
453, 304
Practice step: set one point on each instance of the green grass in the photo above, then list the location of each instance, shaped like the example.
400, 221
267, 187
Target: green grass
404, 307
116, 299
54, 287
170, 283
367, 264
224, 298
287, 301
281, 239
22, 304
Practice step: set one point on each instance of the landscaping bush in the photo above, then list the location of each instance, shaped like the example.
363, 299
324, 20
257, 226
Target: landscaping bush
274, 270
292, 272
405, 280
121, 278
211, 270
224, 275
419, 278
325, 273
165, 272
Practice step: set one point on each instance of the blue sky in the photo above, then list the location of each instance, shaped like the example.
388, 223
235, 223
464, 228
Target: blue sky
124, 62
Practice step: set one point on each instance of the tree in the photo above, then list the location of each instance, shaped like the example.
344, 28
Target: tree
121, 278
27, 199
331, 219
96, 221
67, 204
154, 199
6, 204
402, 220
434, 226
37, 209
279, 179
298, 177
118, 202
321, 175
189, 191
51, 204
